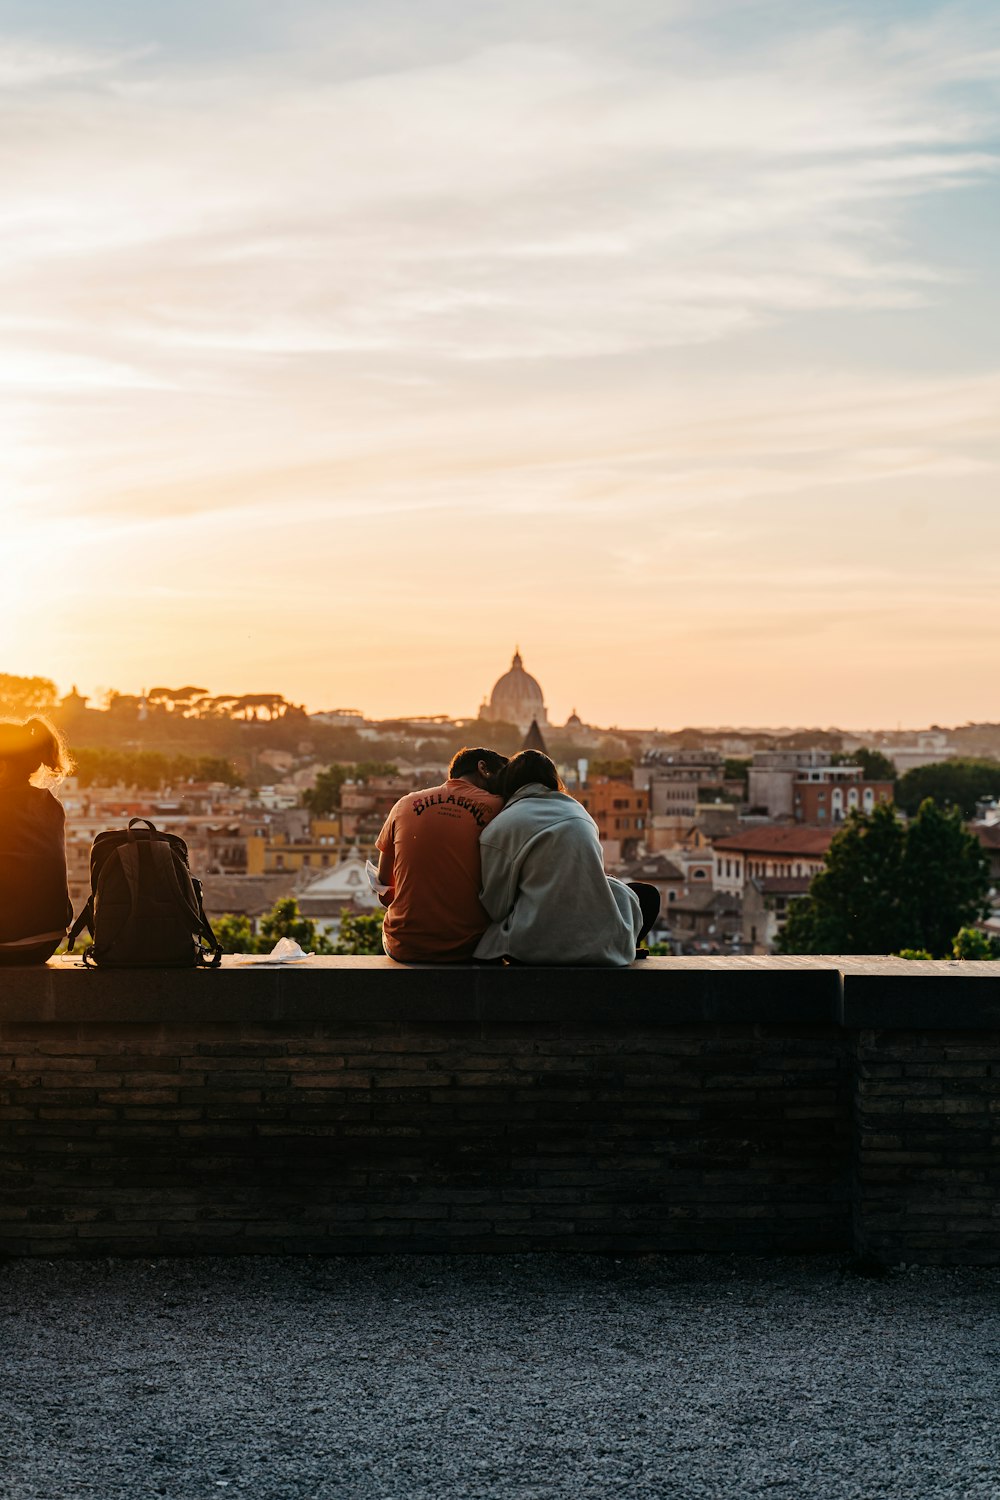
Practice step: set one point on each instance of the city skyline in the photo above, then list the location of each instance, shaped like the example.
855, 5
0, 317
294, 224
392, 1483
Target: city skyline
345, 348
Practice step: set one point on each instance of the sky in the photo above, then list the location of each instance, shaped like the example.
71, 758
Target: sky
345, 346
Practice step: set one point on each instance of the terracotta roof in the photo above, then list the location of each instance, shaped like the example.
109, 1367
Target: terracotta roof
783, 885
988, 834
246, 895
790, 839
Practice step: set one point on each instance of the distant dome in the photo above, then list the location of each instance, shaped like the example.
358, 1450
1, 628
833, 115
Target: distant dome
516, 698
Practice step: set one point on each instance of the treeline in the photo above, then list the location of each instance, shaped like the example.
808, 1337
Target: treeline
953, 783
150, 769
357, 933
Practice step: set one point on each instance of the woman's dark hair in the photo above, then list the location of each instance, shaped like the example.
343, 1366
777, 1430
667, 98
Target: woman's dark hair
26, 748
525, 768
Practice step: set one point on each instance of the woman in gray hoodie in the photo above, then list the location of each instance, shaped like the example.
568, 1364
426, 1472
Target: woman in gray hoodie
544, 885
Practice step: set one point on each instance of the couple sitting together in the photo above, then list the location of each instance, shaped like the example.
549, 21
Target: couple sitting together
500, 864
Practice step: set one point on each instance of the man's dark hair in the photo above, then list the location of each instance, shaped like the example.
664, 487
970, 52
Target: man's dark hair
466, 761
525, 768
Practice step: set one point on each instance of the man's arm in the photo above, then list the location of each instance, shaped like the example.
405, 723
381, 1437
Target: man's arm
385, 874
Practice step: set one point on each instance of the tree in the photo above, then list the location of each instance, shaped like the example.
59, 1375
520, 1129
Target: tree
953, 783
616, 768
736, 768
887, 887
971, 943
875, 765
360, 933
234, 934
855, 904
946, 875
285, 920
23, 697
150, 769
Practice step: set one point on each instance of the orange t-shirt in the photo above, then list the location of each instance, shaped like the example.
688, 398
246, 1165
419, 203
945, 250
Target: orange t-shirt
435, 915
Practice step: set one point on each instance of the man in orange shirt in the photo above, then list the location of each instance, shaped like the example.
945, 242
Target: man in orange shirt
429, 859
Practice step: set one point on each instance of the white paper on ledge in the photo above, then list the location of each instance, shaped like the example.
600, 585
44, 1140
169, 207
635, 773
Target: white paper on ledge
284, 951
287, 951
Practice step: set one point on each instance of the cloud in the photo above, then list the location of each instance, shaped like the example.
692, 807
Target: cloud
518, 203
585, 271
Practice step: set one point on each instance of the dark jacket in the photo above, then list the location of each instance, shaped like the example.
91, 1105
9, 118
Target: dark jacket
34, 899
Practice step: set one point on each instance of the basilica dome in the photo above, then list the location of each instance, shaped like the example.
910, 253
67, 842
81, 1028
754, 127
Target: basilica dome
516, 698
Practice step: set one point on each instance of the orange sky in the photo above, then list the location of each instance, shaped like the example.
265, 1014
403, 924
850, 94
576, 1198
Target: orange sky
339, 360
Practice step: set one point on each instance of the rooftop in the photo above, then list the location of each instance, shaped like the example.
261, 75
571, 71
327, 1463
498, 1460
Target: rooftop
778, 839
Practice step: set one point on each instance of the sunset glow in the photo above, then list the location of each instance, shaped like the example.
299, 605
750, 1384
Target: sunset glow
344, 347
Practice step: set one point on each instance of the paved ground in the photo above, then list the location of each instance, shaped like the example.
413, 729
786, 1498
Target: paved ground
479, 1377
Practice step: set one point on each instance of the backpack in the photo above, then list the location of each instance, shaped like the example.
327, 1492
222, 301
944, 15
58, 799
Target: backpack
145, 907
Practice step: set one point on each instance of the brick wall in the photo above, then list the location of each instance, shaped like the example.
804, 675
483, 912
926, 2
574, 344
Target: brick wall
927, 1113
351, 1105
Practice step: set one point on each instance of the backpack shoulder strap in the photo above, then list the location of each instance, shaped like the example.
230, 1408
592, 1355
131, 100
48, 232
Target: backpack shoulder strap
164, 860
85, 919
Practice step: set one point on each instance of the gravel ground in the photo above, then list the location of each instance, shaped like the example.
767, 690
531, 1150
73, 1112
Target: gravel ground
535, 1376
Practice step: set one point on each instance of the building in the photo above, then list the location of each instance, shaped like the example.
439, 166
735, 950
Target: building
658, 870
769, 851
621, 814
766, 899
828, 794
705, 921
250, 896
807, 786
678, 780
772, 776
296, 844
516, 699
344, 887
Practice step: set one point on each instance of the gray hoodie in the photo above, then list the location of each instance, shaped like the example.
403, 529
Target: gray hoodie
545, 888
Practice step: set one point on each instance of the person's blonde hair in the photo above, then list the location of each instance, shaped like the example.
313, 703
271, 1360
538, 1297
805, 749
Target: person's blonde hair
31, 747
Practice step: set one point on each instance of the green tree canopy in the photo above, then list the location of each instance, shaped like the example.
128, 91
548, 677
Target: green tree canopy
953, 783
358, 932
887, 886
971, 943
616, 768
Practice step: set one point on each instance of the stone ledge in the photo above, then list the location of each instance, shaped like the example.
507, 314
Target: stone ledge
852, 993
